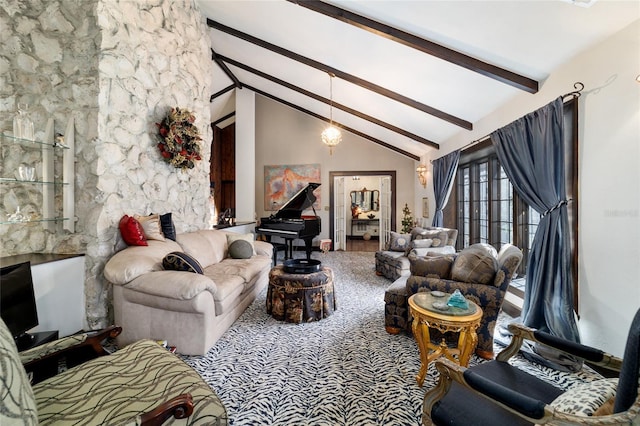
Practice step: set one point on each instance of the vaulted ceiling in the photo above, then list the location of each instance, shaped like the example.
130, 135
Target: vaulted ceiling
408, 74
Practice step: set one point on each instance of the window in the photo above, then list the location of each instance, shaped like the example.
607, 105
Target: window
485, 209
487, 205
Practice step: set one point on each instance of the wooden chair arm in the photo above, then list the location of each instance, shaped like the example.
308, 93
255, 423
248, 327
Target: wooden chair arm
67, 345
521, 332
179, 407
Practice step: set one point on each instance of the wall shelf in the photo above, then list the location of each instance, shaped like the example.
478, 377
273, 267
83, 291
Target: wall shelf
22, 222
46, 179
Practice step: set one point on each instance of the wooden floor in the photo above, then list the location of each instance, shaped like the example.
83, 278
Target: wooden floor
362, 245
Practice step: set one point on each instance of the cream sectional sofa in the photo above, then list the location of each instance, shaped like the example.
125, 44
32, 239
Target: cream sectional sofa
188, 310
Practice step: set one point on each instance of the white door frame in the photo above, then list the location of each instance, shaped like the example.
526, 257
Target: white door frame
332, 213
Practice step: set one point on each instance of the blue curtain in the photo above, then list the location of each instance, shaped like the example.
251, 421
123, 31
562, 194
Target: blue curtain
444, 171
531, 151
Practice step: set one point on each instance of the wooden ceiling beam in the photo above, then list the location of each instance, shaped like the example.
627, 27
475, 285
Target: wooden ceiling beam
465, 61
226, 69
320, 117
222, 92
328, 101
221, 119
343, 75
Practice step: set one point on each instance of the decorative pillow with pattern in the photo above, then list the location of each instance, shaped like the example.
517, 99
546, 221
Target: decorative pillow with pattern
475, 264
418, 233
435, 267
584, 399
419, 246
179, 261
438, 238
399, 242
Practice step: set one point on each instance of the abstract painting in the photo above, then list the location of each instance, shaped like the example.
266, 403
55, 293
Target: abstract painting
283, 182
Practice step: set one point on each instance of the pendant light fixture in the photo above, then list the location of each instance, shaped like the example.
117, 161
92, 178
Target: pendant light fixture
331, 136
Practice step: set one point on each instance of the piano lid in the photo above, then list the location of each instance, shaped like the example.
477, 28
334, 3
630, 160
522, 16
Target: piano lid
301, 201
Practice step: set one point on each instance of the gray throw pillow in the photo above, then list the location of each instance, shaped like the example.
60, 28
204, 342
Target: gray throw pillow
240, 249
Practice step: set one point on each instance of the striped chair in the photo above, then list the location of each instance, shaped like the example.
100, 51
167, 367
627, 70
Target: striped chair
142, 384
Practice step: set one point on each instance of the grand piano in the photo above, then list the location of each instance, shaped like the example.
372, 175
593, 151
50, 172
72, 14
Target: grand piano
288, 222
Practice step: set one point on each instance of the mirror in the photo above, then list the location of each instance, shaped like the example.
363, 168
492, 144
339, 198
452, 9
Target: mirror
366, 199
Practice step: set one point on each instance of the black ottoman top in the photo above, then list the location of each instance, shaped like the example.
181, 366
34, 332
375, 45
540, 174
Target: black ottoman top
302, 266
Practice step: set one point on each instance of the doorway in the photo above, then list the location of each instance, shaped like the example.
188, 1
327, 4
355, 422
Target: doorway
222, 174
361, 208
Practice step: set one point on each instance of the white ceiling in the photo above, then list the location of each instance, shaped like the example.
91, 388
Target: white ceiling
530, 38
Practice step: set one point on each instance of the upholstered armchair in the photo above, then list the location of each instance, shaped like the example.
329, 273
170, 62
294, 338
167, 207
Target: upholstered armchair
141, 384
480, 273
393, 262
498, 393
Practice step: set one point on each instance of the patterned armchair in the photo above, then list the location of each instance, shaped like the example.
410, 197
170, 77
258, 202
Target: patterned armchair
393, 262
479, 272
142, 384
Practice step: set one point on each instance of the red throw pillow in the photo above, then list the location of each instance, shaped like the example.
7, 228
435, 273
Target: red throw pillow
132, 232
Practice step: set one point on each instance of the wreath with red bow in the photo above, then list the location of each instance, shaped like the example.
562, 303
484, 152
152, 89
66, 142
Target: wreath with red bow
179, 139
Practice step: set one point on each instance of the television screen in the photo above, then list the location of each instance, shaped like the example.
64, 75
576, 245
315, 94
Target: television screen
17, 299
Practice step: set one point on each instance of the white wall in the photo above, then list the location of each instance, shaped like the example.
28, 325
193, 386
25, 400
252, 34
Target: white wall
609, 179
245, 155
59, 292
286, 136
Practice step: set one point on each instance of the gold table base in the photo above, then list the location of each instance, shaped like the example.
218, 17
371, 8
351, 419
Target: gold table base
424, 319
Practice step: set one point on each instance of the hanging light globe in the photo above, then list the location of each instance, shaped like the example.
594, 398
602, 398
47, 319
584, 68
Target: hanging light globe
331, 137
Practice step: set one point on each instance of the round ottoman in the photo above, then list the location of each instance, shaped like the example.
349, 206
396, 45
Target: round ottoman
300, 297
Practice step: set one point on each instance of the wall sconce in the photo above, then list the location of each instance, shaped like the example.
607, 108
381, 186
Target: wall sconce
422, 174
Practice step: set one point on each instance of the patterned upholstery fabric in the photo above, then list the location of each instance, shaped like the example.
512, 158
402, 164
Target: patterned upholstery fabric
394, 264
396, 307
488, 296
391, 264
51, 347
17, 404
114, 389
585, 399
399, 242
300, 297
178, 261
434, 267
438, 238
476, 264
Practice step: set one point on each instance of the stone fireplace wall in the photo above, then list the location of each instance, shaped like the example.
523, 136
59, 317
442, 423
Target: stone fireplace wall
118, 67
49, 60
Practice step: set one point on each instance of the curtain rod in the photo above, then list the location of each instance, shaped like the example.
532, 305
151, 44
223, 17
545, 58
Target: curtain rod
573, 95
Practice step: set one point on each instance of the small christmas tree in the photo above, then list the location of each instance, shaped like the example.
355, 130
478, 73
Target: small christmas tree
407, 220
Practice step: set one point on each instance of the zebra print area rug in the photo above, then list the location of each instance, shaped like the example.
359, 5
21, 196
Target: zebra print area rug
343, 370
